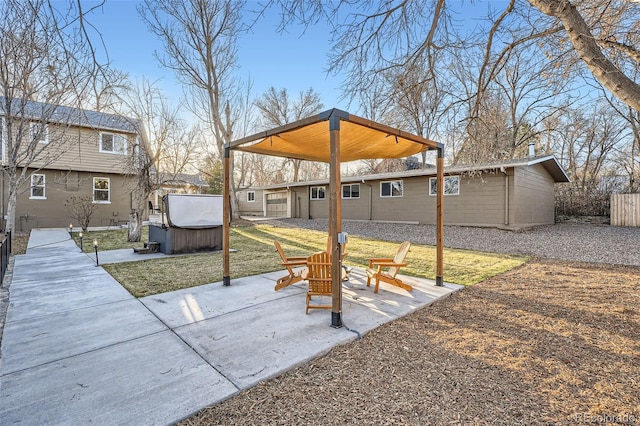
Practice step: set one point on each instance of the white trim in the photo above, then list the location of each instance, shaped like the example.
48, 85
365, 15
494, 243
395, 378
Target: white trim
42, 185
108, 190
114, 140
254, 196
324, 193
433, 179
350, 197
391, 188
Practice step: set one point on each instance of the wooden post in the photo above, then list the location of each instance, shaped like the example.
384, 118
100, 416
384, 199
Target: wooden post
440, 218
226, 218
335, 221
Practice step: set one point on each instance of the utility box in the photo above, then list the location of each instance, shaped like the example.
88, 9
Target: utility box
194, 224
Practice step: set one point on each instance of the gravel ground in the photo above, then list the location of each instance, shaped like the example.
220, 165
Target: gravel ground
614, 245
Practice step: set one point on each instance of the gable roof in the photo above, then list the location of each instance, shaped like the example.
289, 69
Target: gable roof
549, 162
61, 114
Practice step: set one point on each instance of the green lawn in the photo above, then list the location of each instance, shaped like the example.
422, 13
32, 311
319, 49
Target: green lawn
255, 253
111, 239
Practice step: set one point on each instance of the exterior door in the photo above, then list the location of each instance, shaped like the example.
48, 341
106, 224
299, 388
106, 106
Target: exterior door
276, 204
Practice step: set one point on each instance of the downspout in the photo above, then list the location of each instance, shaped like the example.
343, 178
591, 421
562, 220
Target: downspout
370, 199
294, 212
506, 196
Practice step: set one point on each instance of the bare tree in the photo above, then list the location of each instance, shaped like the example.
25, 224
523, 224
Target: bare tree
602, 33
166, 147
278, 109
200, 38
584, 143
46, 60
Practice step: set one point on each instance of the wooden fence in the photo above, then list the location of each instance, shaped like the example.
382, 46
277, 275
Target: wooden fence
625, 209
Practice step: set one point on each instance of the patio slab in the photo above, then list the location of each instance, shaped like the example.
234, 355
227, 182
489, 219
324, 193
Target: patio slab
77, 348
182, 307
43, 339
153, 380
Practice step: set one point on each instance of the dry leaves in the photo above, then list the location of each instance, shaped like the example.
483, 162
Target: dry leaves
547, 343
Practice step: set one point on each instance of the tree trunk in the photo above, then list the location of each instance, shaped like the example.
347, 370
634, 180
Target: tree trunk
11, 207
135, 227
586, 45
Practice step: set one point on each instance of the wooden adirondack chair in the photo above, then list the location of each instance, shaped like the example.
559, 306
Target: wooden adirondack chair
319, 277
289, 262
393, 265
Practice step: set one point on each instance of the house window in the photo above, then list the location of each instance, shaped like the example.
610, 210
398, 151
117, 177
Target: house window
38, 187
101, 192
392, 188
451, 185
351, 191
112, 143
317, 192
39, 132
251, 196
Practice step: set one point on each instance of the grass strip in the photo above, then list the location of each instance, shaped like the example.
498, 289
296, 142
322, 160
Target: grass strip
255, 254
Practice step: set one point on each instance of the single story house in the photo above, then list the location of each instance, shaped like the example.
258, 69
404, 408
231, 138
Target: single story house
82, 153
181, 183
511, 194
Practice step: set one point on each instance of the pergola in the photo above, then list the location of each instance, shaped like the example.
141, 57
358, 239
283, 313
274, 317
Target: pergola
335, 136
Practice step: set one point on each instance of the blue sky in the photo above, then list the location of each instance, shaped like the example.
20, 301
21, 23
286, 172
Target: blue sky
293, 60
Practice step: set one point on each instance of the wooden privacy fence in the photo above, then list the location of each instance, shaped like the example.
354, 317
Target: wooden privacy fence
625, 209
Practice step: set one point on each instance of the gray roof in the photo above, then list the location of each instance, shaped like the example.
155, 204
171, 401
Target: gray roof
549, 162
61, 114
182, 179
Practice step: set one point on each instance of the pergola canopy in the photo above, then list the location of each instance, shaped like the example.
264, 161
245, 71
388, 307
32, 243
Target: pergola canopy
333, 137
360, 139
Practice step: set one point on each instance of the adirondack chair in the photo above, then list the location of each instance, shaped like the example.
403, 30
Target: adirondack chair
289, 262
385, 269
319, 277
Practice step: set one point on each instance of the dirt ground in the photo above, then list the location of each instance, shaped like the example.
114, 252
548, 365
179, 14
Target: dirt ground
550, 342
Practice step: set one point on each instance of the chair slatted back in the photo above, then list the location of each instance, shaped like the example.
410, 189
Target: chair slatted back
282, 256
319, 275
399, 258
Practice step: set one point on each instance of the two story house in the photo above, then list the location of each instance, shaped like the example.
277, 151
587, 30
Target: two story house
80, 153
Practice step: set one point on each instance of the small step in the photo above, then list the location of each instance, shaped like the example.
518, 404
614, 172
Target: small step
150, 247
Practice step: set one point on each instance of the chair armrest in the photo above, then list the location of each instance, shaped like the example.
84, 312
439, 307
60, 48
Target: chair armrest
294, 262
386, 264
375, 260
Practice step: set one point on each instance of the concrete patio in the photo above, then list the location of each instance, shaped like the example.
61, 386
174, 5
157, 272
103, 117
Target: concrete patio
78, 348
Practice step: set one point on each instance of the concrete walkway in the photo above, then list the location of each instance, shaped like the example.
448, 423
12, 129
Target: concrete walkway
77, 348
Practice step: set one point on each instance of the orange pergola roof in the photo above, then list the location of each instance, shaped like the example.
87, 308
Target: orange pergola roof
360, 139
335, 136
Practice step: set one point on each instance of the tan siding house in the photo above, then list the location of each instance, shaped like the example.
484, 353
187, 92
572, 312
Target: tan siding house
512, 194
86, 154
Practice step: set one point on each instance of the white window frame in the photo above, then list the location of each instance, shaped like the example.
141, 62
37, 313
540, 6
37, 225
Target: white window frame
33, 125
114, 138
449, 187
391, 182
317, 197
350, 185
251, 196
42, 185
108, 190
